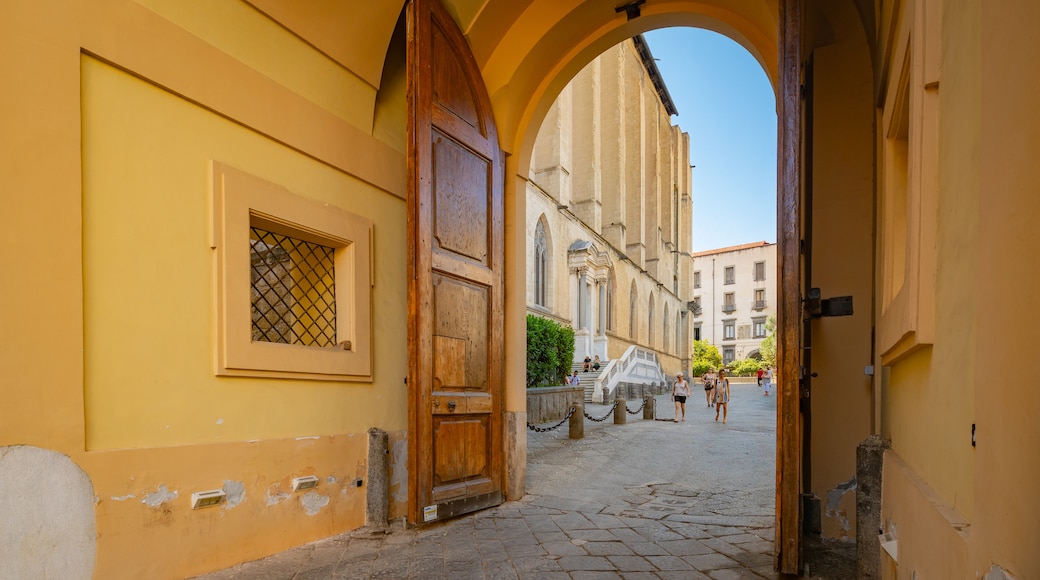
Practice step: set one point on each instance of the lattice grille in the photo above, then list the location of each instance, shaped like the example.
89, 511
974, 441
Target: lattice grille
293, 290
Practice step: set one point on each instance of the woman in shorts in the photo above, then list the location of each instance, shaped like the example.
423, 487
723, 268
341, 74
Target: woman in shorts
709, 388
722, 396
680, 390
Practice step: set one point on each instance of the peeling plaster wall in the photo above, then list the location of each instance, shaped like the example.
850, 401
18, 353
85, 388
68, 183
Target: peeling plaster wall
839, 512
47, 527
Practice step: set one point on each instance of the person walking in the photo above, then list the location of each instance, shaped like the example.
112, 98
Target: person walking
680, 390
709, 387
722, 396
768, 380
760, 373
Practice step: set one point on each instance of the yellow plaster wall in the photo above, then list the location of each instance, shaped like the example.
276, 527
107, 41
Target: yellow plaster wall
149, 280
928, 408
958, 509
1007, 466
113, 114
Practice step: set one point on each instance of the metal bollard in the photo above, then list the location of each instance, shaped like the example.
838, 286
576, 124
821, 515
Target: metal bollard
620, 411
649, 401
577, 424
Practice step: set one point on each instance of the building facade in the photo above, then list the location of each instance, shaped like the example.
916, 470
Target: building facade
134, 131
734, 295
609, 212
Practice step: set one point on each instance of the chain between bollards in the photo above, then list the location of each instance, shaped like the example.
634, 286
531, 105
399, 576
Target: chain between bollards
637, 411
545, 429
604, 417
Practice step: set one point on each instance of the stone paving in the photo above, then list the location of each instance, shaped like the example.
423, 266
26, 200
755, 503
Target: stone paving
649, 499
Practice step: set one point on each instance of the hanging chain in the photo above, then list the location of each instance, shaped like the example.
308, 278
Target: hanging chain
604, 417
636, 412
544, 429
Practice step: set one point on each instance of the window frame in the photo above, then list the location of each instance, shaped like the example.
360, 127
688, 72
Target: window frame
729, 325
241, 200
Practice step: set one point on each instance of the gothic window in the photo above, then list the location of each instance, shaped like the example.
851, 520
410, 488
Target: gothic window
678, 334
632, 297
541, 266
665, 327
650, 322
610, 301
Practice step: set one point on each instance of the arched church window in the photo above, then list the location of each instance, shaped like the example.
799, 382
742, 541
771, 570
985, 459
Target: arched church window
632, 297
541, 266
665, 327
650, 322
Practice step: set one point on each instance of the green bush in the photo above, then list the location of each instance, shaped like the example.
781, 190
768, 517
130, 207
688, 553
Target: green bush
744, 368
700, 367
550, 351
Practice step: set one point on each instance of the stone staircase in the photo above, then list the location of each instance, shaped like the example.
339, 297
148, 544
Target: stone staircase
588, 379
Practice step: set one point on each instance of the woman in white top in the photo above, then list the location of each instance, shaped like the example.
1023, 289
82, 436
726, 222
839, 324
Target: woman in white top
680, 390
722, 396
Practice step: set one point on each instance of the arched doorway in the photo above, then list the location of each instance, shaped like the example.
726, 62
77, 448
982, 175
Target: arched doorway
527, 52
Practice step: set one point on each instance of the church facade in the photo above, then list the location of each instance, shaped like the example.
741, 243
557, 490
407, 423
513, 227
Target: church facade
609, 213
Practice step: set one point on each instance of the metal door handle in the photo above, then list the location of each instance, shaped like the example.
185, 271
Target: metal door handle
451, 405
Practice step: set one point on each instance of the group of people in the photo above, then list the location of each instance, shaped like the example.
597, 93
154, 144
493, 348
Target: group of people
589, 364
716, 391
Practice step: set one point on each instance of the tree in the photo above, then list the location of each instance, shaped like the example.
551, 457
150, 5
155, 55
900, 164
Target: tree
705, 357
768, 347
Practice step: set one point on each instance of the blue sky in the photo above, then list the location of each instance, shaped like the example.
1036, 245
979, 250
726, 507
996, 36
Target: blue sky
726, 104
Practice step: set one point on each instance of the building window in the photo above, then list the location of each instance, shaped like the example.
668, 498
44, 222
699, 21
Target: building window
650, 322
293, 290
678, 334
541, 266
759, 327
729, 354
760, 300
632, 297
729, 302
730, 274
610, 302
697, 279
697, 331
729, 330
665, 329
294, 283
760, 271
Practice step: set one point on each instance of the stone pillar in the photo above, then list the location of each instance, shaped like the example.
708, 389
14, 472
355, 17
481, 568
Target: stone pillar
577, 424
649, 404
620, 411
582, 300
869, 459
377, 488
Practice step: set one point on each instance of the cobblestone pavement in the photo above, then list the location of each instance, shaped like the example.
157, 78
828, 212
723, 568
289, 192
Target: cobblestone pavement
649, 499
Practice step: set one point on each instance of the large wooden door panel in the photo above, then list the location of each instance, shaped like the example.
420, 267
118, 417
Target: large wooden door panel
455, 288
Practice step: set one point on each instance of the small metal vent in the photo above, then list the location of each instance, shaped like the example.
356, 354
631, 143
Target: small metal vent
293, 290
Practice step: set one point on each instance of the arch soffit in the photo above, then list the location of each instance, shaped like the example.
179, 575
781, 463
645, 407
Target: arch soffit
528, 51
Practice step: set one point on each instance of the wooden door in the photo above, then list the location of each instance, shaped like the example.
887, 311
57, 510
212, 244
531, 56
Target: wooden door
789, 209
455, 296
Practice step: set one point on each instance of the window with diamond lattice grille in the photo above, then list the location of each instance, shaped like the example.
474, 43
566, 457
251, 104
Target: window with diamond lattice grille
293, 290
